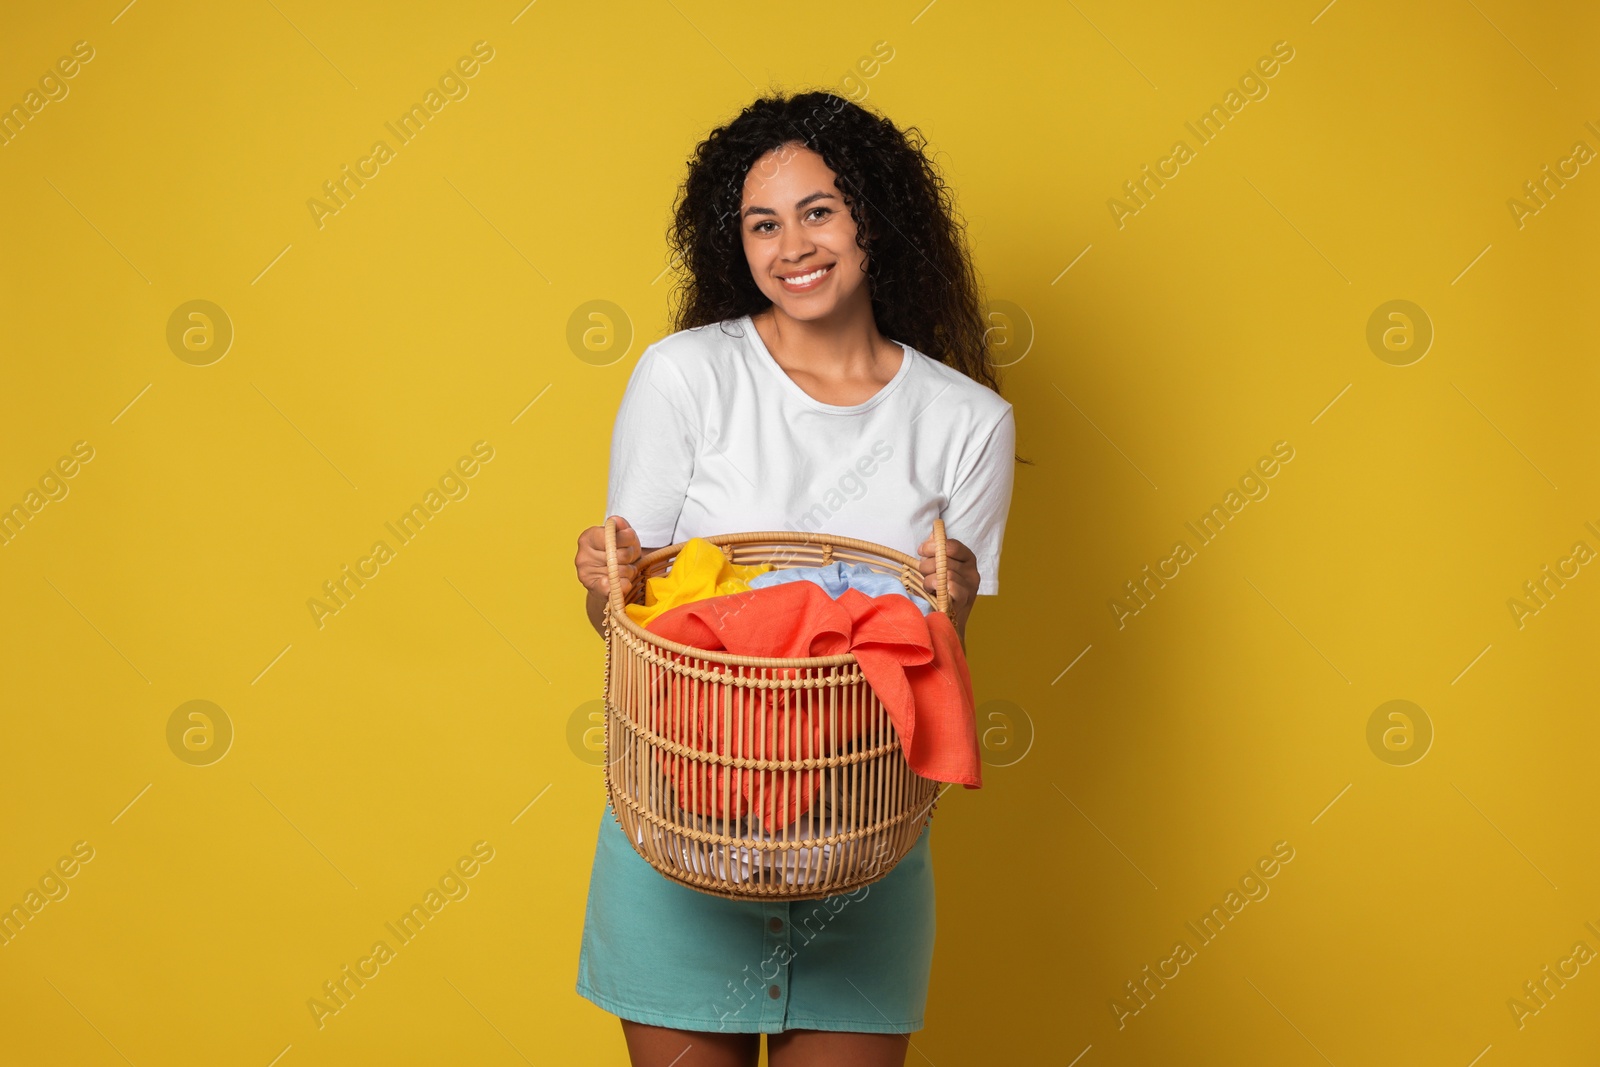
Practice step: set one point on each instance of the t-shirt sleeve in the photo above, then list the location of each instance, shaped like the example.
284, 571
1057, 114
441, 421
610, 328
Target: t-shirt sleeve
976, 514
653, 446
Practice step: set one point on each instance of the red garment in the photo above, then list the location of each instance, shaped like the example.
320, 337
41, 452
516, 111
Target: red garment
915, 665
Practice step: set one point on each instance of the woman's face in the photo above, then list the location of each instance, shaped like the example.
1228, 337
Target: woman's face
795, 223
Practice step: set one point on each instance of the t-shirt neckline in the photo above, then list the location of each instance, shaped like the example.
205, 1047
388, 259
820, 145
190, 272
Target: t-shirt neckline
810, 401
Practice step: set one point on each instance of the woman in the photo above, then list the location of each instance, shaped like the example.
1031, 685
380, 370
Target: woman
827, 373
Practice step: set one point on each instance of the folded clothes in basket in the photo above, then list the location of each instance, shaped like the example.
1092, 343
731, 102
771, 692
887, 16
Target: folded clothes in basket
914, 665
743, 863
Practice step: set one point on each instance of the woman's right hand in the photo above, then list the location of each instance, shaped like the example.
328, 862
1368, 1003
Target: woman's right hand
590, 561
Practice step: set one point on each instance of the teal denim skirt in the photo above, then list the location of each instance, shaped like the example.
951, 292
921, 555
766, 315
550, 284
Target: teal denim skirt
658, 952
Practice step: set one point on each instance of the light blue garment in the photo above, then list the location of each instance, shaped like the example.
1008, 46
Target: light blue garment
656, 951
838, 576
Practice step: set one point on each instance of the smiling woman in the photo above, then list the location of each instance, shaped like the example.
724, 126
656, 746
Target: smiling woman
829, 310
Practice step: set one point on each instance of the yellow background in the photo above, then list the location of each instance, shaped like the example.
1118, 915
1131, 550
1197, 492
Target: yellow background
428, 714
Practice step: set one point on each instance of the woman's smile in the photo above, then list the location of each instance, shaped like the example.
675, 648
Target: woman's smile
802, 283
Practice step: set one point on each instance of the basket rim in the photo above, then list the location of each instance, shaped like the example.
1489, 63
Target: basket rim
780, 537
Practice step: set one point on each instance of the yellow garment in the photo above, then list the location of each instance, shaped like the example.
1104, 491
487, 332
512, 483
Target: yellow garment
700, 570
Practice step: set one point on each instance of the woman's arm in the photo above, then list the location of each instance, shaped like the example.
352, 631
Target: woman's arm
977, 510
654, 443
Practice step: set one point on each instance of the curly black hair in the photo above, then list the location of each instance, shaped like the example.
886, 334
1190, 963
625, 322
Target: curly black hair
923, 286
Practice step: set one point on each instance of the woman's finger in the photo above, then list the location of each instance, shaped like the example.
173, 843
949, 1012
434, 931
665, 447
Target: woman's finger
625, 578
957, 550
952, 548
961, 579
955, 563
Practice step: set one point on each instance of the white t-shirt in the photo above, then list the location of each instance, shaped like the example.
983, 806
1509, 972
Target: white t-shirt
713, 437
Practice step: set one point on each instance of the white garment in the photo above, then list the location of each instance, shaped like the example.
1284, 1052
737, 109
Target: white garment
737, 863
713, 437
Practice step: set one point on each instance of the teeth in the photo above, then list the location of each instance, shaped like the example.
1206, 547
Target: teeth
805, 279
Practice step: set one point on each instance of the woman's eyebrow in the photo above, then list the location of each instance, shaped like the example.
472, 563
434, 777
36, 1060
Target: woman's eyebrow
802, 202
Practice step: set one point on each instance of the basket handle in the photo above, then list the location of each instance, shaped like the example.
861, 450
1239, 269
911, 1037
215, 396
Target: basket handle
941, 568
614, 591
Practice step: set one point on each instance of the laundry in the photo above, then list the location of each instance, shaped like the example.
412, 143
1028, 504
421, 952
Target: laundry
700, 570
839, 576
914, 664
742, 863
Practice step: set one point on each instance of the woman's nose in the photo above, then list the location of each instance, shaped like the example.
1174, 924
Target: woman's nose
795, 244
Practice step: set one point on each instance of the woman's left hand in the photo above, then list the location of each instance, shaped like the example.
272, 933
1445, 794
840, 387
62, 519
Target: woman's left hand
961, 568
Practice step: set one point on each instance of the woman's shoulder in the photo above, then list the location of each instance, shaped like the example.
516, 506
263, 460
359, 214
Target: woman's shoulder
953, 387
699, 350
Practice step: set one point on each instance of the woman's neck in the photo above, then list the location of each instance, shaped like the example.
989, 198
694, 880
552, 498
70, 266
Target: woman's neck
843, 349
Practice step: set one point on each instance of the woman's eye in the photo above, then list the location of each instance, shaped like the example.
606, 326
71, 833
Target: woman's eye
757, 228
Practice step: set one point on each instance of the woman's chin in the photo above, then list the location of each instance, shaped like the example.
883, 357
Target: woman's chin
808, 308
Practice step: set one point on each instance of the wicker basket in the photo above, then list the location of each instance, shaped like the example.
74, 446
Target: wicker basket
825, 746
